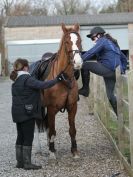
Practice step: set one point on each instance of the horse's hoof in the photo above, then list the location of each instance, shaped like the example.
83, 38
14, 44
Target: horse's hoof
76, 155
52, 156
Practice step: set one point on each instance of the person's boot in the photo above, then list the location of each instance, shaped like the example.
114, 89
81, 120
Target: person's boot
27, 159
85, 75
19, 156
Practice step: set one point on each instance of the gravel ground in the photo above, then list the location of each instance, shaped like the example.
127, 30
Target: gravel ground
97, 156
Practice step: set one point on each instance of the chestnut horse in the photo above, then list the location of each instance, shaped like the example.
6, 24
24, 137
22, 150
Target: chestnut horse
64, 95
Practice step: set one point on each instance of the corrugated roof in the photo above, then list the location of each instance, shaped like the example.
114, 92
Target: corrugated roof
86, 19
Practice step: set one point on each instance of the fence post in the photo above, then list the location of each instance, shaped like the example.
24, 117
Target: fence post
130, 39
95, 89
91, 95
130, 98
105, 107
101, 95
0, 66
119, 92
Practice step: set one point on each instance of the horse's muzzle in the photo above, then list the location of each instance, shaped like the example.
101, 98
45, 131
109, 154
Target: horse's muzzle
78, 66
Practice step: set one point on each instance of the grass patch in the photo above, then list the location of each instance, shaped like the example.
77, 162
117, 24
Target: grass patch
127, 154
113, 129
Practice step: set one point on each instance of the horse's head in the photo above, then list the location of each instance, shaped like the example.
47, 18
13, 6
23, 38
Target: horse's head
73, 46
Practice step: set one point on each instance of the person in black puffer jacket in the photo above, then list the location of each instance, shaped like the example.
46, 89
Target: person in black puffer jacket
26, 107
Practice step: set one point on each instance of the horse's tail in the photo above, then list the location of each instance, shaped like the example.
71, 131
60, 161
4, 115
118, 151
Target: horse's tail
42, 124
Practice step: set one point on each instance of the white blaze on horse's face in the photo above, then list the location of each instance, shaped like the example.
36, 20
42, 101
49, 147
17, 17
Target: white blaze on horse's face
77, 57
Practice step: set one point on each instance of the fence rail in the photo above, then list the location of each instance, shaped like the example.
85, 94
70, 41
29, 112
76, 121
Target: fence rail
118, 128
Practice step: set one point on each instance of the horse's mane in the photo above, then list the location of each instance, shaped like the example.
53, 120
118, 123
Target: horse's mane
61, 43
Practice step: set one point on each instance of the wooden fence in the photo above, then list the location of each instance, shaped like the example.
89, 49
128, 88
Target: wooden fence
118, 129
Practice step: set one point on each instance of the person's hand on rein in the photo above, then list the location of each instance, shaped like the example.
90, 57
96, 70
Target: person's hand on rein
62, 76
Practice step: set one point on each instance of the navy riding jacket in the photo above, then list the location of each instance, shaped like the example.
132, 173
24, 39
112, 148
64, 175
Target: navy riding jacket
26, 91
108, 54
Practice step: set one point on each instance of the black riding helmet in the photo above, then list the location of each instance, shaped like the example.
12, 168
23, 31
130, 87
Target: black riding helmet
96, 30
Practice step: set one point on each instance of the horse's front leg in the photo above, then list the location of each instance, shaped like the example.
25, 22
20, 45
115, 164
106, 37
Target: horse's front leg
51, 132
72, 130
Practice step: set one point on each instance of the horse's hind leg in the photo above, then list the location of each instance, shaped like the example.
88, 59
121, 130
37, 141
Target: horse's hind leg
72, 130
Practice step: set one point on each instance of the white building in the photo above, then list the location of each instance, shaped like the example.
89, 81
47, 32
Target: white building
31, 36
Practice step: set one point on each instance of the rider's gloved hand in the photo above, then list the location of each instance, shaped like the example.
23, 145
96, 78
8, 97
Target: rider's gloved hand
62, 76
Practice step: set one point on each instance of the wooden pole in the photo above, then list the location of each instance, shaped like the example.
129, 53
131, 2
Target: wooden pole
119, 91
95, 89
91, 95
130, 98
130, 39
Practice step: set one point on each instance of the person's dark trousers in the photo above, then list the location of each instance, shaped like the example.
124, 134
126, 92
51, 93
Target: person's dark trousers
85, 76
109, 78
25, 135
25, 132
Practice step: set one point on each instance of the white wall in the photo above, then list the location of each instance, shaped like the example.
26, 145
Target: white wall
30, 49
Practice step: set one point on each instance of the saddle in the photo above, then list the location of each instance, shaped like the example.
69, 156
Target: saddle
41, 68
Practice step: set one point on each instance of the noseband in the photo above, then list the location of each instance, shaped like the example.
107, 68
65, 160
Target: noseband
74, 52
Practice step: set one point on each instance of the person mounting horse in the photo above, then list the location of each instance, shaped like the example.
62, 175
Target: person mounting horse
63, 95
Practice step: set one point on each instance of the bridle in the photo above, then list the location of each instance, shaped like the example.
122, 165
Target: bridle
75, 51
68, 52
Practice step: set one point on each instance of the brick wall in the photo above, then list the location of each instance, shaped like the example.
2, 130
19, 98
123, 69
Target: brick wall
33, 33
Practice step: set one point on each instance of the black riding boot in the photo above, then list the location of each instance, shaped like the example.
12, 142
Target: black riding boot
27, 159
19, 156
85, 75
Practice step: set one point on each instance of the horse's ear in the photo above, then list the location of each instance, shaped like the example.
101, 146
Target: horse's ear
76, 27
64, 28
